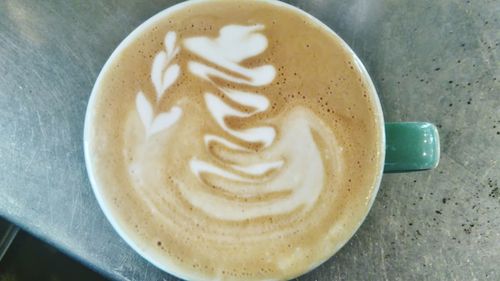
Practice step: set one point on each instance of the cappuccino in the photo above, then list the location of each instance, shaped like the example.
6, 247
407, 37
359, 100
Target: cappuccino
234, 140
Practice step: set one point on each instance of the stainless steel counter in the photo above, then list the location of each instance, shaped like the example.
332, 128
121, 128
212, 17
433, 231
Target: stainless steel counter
434, 61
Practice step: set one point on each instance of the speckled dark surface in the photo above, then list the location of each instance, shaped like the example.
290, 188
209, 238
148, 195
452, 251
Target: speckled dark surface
431, 61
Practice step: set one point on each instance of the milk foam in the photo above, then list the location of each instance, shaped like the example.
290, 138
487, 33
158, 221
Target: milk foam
300, 184
284, 158
217, 146
220, 110
163, 75
234, 44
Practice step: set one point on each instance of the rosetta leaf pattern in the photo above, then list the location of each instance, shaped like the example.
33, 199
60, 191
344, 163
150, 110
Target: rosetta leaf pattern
170, 76
165, 119
145, 110
163, 76
156, 73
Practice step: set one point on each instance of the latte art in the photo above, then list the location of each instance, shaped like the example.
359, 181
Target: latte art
235, 140
248, 176
163, 75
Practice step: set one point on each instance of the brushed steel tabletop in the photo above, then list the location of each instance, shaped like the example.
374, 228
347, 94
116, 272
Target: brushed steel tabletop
434, 61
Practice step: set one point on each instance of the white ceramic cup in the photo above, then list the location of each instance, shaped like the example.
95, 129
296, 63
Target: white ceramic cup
145, 26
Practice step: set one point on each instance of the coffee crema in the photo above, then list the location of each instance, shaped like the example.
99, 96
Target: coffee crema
234, 140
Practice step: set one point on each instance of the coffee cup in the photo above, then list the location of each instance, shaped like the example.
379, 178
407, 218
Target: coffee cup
241, 140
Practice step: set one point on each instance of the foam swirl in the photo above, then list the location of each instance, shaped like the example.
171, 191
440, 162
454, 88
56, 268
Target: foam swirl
295, 184
275, 174
224, 151
234, 44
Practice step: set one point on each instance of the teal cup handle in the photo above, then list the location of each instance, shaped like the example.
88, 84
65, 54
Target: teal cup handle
411, 146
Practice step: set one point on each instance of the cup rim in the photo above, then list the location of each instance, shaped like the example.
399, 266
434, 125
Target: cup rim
104, 205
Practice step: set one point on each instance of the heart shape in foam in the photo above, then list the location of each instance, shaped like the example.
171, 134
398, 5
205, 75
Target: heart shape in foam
227, 47
162, 121
165, 119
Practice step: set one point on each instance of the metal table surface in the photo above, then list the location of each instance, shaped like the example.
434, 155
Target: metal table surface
430, 60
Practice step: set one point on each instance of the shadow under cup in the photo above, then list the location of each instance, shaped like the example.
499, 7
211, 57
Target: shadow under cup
404, 146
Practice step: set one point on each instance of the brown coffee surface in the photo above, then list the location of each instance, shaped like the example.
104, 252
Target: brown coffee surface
266, 191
